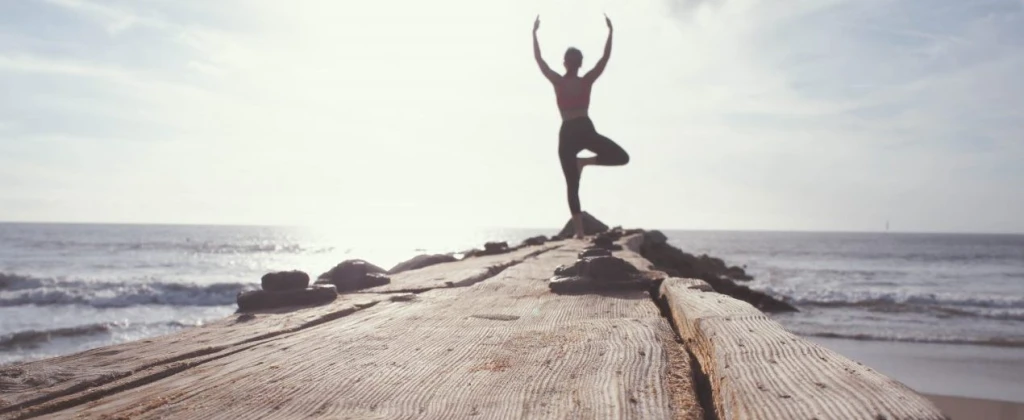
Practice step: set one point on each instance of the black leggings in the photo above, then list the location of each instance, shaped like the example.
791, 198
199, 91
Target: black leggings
578, 134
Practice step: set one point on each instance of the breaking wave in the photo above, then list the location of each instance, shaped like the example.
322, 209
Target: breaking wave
195, 247
997, 342
1006, 307
35, 338
26, 290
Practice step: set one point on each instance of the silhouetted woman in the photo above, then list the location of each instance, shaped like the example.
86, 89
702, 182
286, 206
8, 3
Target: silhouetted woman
577, 133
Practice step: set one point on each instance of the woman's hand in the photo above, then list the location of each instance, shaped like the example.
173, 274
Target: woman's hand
536, 24
594, 73
606, 21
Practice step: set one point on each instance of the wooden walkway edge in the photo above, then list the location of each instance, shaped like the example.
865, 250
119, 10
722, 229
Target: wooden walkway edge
758, 370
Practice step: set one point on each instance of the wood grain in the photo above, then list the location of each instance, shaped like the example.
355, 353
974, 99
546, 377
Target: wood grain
39, 381
758, 370
457, 274
91, 372
502, 347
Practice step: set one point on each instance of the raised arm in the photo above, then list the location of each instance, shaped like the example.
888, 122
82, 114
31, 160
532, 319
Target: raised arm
594, 73
544, 68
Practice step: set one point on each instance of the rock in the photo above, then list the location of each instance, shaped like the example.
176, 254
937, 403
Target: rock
496, 246
581, 285
354, 283
609, 236
607, 240
712, 264
760, 300
737, 273
350, 269
490, 248
352, 275
285, 280
565, 270
620, 231
257, 300
594, 252
654, 237
603, 241
570, 285
597, 270
714, 271
535, 240
421, 261
591, 226
607, 269
584, 284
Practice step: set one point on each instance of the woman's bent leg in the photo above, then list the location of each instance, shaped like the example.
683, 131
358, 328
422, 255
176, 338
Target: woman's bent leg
608, 152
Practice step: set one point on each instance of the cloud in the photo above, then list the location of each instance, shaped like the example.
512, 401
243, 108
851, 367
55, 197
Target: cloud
850, 106
801, 114
30, 64
115, 20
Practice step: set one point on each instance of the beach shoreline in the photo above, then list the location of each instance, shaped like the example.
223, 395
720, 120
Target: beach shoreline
977, 408
959, 371
964, 381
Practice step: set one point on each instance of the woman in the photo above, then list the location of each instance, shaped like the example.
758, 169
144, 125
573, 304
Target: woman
572, 93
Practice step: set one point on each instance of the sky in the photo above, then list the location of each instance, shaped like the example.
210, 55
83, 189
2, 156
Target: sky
737, 114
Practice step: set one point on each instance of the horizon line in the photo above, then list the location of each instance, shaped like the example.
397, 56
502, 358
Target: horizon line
328, 226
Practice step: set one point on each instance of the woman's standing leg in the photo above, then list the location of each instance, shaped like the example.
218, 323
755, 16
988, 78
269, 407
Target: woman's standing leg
567, 156
568, 148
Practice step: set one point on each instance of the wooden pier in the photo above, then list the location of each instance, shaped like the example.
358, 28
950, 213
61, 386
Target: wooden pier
483, 337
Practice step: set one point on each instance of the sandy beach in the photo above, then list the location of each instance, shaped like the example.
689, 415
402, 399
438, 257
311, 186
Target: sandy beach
981, 372
977, 408
964, 381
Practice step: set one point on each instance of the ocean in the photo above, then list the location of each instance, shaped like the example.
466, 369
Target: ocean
70, 287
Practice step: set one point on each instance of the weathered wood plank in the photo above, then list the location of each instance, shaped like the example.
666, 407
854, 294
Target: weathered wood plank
505, 347
48, 379
758, 370
70, 375
457, 274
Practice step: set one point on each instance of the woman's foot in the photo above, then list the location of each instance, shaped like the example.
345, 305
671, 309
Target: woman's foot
577, 224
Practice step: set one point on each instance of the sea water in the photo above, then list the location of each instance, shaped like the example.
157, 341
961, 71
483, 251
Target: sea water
933, 288
70, 287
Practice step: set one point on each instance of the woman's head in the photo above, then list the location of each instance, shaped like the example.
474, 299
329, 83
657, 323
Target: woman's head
573, 59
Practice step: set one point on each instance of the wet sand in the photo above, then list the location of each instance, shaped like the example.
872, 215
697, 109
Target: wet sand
965, 382
978, 372
976, 408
